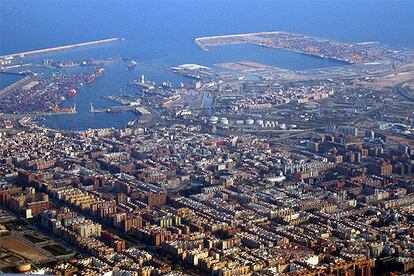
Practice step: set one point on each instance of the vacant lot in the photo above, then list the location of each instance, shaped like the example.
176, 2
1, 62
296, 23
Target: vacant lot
57, 250
21, 248
388, 81
34, 239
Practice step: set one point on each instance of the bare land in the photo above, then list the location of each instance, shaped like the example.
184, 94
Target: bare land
21, 248
389, 81
246, 66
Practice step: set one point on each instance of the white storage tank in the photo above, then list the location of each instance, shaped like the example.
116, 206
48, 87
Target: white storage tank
224, 121
213, 120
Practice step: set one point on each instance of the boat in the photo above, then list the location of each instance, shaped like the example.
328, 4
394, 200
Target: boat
61, 99
63, 110
167, 84
98, 73
132, 64
114, 110
91, 78
72, 93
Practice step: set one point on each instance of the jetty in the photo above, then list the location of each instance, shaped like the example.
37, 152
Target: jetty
60, 48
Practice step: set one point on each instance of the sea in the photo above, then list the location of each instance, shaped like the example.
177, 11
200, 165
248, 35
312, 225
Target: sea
160, 34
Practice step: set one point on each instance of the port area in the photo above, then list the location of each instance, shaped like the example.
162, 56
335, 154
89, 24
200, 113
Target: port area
37, 93
300, 43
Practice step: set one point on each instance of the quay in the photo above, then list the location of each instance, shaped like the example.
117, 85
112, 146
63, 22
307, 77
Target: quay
59, 113
123, 100
60, 48
144, 85
142, 111
115, 109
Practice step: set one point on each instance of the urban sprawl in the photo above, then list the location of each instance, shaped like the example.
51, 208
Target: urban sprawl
249, 169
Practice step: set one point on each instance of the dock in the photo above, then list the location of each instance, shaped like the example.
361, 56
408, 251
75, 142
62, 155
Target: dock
60, 113
142, 111
144, 85
123, 100
122, 108
60, 48
111, 109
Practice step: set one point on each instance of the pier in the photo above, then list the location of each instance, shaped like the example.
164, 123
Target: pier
60, 48
144, 85
122, 108
142, 111
124, 99
112, 109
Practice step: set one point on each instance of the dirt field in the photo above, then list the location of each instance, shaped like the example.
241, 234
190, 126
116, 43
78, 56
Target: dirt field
246, 66
401, 140
21, 248
388, 81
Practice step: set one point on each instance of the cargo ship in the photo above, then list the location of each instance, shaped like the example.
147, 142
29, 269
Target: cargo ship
132, 64
62, 110
98, 73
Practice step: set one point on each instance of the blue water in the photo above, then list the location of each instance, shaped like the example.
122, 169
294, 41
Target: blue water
6, 79
160, 33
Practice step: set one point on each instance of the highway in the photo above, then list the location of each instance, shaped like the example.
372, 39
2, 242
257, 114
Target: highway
403, 90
